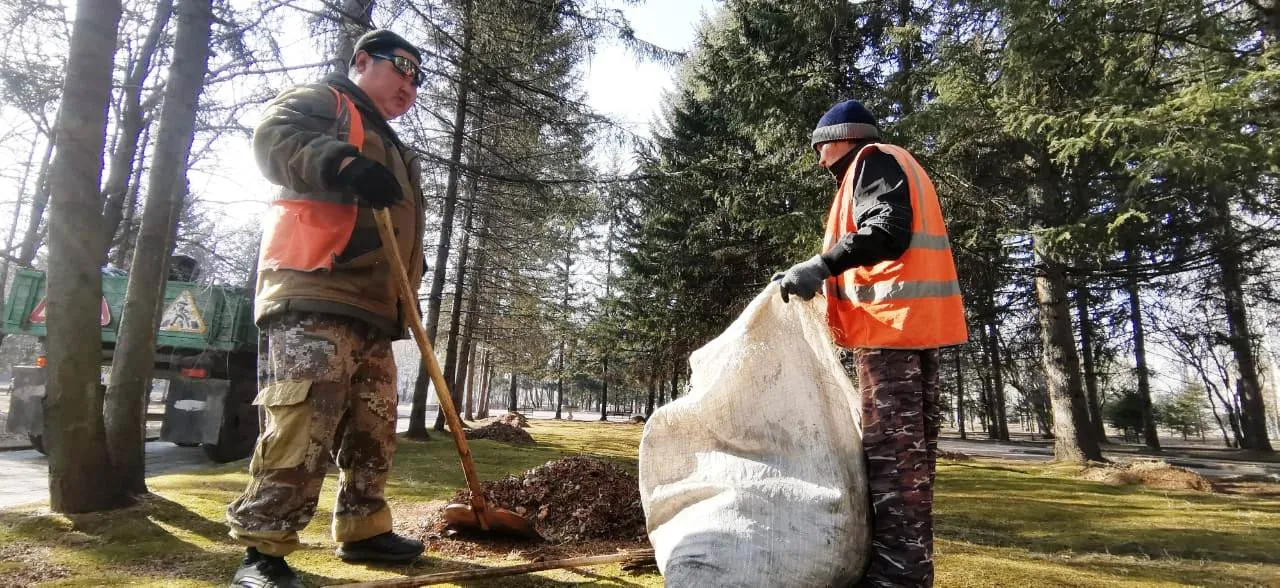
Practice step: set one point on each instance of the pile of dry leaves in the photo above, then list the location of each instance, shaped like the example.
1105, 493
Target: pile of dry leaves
1149, 473
572, 499
514, 419
499, 431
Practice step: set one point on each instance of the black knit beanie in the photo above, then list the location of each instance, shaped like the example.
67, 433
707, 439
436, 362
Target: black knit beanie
383, 40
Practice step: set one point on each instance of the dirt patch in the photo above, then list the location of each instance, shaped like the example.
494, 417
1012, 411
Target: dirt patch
28, 565
953, 455
514, 419
499, 431
1152, 474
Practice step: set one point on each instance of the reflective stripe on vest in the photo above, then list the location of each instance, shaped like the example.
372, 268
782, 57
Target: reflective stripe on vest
912, 302
305, 235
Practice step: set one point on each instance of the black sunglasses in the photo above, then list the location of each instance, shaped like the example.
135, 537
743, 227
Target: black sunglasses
405, 66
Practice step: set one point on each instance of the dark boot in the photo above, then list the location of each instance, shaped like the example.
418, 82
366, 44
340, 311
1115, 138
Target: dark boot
260, 570
387, 547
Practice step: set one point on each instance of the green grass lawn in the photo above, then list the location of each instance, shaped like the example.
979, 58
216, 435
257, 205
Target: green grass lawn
998, 524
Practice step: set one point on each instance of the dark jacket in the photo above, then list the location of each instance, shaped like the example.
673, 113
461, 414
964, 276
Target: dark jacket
882, 213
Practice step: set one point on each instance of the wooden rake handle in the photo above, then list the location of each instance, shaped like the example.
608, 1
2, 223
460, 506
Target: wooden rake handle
637, 557
407, 296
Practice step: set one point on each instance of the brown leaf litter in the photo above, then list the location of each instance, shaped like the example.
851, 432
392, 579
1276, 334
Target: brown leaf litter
1150, 473
514, 419
502, 432
32, 565
581, 505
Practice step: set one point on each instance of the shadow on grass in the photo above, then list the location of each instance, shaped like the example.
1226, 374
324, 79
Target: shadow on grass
1041, 510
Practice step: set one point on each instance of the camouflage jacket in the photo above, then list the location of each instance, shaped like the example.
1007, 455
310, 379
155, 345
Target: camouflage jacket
299, 146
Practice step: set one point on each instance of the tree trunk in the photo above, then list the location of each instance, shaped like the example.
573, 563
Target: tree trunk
1000, 420
122, 256
81, 476
994, 379
39, 200
560, 379
486, 376
1253, 411
353, 17
131, 124
455, 318
960, 393
468, 385
418, 414
469, 329
1096, 422
513, 397
648, 409
134, 361
1149, 433
1072, 439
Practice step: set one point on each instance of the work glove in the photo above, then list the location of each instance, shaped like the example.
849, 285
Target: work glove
371, 181
803, 279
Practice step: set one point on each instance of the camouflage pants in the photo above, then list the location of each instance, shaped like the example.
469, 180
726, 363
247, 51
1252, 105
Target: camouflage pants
327, 386
900, 422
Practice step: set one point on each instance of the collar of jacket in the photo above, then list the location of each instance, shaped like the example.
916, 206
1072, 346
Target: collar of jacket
362, 101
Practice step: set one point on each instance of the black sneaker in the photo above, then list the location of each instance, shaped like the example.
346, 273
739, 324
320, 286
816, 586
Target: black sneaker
387, 547
260, 570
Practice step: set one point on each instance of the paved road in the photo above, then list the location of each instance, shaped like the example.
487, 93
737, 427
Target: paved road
24, 475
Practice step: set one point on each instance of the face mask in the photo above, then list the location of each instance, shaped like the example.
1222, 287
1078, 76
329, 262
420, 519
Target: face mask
840, 166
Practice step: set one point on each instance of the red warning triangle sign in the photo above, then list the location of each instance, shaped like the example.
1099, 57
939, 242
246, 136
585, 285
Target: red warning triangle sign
38, 313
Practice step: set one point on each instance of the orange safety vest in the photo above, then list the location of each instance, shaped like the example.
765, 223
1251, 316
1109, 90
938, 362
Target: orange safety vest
912, 302
306, 235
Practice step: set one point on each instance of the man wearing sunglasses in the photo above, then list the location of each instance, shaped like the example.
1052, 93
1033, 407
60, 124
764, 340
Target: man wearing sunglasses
327, 310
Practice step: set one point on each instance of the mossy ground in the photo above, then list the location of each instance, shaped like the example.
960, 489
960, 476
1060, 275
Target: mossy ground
998, 524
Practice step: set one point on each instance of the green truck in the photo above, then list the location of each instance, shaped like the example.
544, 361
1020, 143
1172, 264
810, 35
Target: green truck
206, 350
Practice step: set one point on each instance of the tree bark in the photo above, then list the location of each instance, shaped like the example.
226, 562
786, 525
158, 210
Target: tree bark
122, 256
39, 200
648, 409
1096, 422
999, 412
1149, 433
455, 318
1253, 411
354, 17
81, 476
131, 124
960, 393
1072, 439
467, 385
469, 329
418, 414
513, 397
134, 361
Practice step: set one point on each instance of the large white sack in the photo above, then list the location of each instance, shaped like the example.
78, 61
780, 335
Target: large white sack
756, 477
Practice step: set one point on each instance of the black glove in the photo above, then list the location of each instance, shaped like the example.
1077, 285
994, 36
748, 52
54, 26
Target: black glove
803, 279
371, 181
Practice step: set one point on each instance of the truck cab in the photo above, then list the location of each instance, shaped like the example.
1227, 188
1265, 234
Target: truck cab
206, 349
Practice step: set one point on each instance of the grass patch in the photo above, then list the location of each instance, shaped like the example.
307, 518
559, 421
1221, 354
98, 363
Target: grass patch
998, 524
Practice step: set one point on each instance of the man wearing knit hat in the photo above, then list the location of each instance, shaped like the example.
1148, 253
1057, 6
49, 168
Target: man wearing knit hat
327, 310
892, 300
